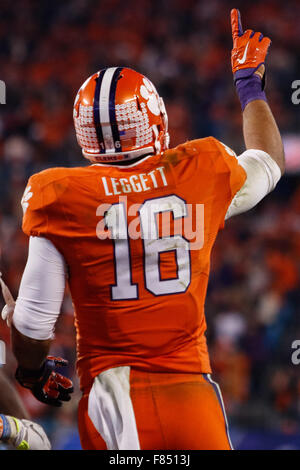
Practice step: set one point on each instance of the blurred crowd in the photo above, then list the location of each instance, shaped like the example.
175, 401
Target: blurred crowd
47, 50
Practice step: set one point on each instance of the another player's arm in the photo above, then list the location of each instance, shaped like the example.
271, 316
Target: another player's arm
10, 401
15, 427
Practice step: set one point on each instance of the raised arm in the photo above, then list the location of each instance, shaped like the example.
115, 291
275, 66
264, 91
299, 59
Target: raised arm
263, 160
248, 66
261, 131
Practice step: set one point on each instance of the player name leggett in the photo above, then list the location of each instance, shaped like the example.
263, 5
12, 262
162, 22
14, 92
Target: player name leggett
135, 183
119, 460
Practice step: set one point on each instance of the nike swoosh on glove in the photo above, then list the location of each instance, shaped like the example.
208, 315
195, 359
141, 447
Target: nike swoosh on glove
249, 48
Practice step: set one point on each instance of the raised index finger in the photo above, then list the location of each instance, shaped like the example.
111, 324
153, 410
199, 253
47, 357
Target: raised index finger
236, 24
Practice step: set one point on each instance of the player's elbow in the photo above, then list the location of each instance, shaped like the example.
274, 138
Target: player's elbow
281, 163
279, 158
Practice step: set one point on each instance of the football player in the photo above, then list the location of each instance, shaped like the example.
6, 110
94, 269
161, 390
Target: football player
16, 429
139, 291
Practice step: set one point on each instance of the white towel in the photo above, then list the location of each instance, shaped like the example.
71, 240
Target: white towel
111, 410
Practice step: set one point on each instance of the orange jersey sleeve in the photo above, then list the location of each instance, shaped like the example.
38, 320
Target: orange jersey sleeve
227, 157
226, 163
34, 213
216, 165
42, 214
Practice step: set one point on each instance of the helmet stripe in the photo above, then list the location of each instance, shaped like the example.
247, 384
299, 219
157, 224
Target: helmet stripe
104, 110
96, 112
112, 110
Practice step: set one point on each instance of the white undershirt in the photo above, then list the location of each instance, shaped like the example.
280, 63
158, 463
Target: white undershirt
263, 174
43, 282
41, 291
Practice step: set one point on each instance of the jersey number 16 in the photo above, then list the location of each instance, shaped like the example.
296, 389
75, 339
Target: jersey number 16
116, 222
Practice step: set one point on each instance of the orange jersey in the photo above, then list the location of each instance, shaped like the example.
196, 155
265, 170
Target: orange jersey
137, 240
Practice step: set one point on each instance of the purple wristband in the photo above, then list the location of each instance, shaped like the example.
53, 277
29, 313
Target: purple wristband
250, 89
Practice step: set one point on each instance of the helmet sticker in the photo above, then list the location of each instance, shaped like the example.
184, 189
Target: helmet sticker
149, 93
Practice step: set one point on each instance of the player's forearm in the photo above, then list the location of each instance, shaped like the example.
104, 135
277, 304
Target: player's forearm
261, 131
30, 353
10, 401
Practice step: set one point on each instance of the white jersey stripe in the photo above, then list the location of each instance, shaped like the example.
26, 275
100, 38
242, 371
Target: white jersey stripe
111, 411
219, 395
104, 110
